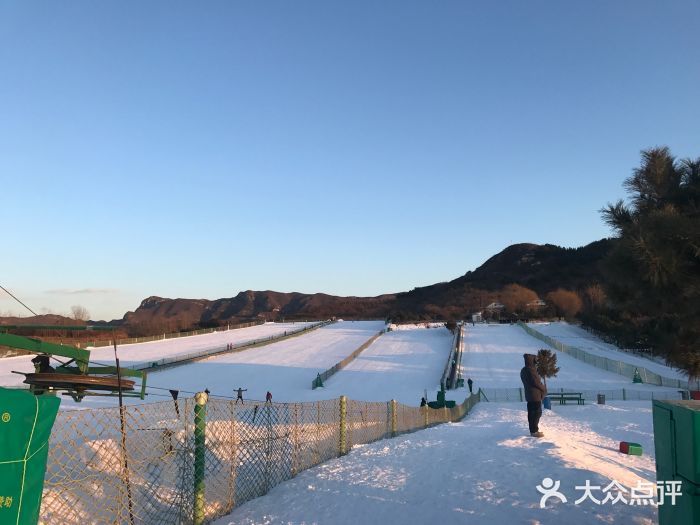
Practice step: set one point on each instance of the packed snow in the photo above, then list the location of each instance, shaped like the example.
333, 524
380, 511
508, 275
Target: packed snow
285, 368
493, 358
483, 470
143, 353
401, 365
576, 336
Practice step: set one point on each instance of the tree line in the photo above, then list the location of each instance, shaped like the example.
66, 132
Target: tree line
652, 273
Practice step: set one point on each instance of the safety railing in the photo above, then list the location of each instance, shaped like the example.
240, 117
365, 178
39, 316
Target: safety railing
613, 365
181, 359
172, 335
321, 377
193, 460
589, 395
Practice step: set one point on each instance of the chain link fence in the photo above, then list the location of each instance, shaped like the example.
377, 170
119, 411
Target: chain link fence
590, 396
159, 464
612, 365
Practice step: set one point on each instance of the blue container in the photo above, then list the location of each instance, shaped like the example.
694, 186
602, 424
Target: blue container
547, 403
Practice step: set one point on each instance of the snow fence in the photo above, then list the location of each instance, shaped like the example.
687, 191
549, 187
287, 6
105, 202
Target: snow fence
157, 463
612, 365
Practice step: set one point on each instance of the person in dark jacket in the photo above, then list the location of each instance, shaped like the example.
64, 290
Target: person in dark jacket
470, 383
534, 393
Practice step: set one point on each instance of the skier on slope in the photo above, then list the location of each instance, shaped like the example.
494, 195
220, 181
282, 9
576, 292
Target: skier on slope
239, 394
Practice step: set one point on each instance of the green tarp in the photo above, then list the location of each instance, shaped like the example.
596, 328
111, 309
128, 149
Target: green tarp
25, 427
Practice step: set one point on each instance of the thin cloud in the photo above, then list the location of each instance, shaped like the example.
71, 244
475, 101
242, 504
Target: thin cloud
81, 291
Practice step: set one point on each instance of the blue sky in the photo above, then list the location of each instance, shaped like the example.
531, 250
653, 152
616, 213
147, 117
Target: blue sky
199, 149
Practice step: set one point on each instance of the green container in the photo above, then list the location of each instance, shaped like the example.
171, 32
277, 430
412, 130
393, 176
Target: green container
25, 427
677, 445
677, 440
686, 510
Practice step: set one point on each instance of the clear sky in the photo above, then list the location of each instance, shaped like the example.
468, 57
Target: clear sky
197, 149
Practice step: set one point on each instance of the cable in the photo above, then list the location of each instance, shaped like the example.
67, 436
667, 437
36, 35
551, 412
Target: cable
15, 298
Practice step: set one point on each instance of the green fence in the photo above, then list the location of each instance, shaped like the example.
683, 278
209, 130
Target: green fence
180, 359
178, 462
323, 376
612, 365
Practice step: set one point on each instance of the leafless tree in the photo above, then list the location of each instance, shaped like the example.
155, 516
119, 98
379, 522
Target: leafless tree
79, 313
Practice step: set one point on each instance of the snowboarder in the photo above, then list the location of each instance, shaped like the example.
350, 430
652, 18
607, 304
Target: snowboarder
470, 383
239, 396
534, 393
268, 397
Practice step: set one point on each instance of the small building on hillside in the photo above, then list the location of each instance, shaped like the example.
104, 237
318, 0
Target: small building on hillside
477, 318
536, 305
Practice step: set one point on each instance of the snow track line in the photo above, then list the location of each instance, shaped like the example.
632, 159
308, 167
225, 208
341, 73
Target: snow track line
245, 346
326, 374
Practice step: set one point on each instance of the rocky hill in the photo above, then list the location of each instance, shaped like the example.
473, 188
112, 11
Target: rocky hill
541, 268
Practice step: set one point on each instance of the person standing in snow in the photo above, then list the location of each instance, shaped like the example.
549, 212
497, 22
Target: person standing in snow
470, 383
239, 395
423, 402
268, 397
534, 393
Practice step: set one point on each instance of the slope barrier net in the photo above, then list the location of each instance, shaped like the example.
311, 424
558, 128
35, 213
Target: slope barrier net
179, 462
613, 365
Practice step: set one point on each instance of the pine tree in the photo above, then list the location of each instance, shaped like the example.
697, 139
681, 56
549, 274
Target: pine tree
653, 271
547, 364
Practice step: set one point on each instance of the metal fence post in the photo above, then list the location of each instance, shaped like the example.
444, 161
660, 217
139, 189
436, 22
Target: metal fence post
200, 426
342, 445
393, 417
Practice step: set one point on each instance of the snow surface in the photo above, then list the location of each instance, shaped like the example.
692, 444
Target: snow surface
493, 358
401, 365
143, 353
483, 470
285, 368
573, 335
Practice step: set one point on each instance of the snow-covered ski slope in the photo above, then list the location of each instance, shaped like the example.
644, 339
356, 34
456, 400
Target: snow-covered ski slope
575, 336
481, 471
142, 353
400, 365
285, 368
493, 358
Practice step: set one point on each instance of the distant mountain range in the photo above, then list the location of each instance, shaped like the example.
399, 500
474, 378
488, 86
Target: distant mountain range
542, 268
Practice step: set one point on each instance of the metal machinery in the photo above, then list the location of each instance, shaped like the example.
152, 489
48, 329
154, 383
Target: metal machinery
77, 377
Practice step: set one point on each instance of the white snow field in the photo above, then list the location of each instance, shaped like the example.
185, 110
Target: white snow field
493, 358
400, 365
485, 469
285, 368
481, 471
573, 335
143, 353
